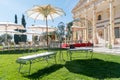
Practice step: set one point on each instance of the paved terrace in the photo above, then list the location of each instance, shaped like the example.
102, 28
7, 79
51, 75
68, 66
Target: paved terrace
114, 51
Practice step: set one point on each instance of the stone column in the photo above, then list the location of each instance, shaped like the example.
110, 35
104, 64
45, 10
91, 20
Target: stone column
111, 24
86, 26
108, 27
83, 35
74, 35
94, 25
105, 34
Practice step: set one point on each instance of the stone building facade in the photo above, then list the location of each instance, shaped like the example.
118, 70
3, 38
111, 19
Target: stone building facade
99, 21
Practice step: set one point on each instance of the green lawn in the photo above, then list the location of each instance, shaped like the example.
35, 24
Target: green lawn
100, 67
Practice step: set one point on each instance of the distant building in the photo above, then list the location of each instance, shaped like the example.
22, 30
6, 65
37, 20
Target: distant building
104, 16
41, 28
10, 26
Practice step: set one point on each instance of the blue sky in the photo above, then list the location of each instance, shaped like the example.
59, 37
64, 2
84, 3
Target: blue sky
11, 7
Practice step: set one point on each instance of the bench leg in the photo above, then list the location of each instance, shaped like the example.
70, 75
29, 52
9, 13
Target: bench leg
91, 54
30, 67
67, 54
55, 59
61, 55
46, 58
20, 67
62, 58
87, 53
70, 55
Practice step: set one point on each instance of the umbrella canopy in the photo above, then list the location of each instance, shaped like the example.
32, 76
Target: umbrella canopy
45, 12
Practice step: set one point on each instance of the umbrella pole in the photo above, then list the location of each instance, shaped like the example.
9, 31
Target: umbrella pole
46, 30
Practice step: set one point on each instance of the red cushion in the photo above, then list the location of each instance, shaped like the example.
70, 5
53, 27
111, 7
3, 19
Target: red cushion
65, 45
78, 45
82, 44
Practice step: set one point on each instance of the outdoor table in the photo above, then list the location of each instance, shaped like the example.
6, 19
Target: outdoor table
33, 58
86, 49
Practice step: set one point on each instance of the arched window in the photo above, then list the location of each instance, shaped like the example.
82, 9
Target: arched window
99, 17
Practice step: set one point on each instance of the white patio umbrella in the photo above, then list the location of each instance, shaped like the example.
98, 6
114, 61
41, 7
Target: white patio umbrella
45, 12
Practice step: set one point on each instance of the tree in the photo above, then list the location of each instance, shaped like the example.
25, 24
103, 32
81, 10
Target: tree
21, 38
16, 37
16, 19
61, 32
35, 39
69, 30
0, 39
3, 36
23, 22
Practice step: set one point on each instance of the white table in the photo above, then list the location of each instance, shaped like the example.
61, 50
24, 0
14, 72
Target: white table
86, 49
33, 58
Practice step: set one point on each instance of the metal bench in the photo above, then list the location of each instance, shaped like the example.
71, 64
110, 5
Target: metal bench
34, 58
86, 49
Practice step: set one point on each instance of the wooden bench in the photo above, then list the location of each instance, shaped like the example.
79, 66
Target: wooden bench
34, 58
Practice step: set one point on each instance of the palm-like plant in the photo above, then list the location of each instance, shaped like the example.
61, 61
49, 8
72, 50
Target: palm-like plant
0, 39
9, 37
69, 30
45, 12
61, 32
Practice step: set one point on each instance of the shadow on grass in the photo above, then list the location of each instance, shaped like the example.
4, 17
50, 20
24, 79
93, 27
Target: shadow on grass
95, 68
55, 49
46, 71
17, 51
21, 51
